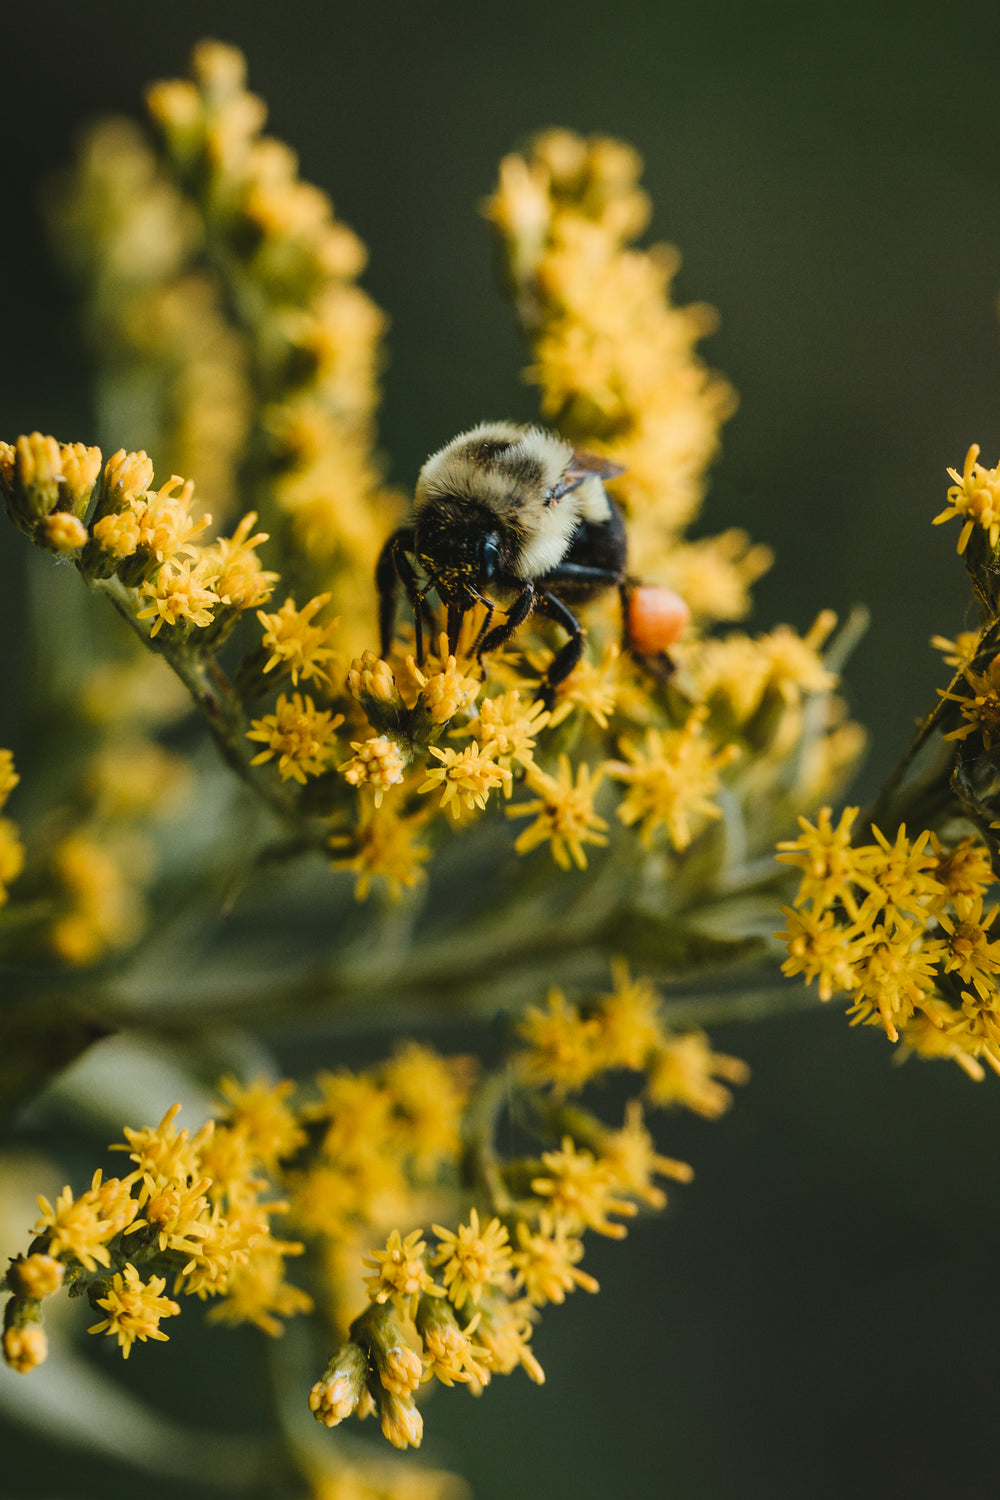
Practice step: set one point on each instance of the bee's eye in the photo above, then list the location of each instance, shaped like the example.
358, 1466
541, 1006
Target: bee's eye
489, 555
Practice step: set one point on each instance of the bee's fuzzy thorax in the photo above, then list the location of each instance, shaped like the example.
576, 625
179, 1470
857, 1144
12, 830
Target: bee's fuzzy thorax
508, 470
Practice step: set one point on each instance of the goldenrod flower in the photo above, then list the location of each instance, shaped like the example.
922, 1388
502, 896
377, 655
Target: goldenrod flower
11, 856
546, 1261
511, 727
25, 1348
981, 710
633, 1158
684, 1070
975, 496
563, 1048
671, 780
35, 1276
472, 1258
336, 1395
401, 1275
464, 777
378, 762
972, 955
894, 974
81, 1228
182, 593
134, 1309
564, 813
820, 947
630, 1020
259, 1114
383, 846
443, 693
580, 1191
829, 863
449, 1351
298, 733
504, 1331
297, 645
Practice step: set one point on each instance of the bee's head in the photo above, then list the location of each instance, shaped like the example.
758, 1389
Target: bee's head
459, 547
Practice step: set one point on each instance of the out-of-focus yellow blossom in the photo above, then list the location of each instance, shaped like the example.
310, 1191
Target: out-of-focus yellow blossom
671, 780
103, 908
580, 1191
564, 813
383, 847
11, 847
684, 1070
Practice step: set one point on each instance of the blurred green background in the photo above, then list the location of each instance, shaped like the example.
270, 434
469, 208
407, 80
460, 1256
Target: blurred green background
816, 1316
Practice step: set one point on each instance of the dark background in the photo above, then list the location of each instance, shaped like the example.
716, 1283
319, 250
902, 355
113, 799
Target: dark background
817, 1315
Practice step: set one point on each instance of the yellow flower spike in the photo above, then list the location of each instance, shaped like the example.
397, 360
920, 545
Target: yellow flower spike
829, 863
61, 532
504, 1330
258, 1114
12, 855
443, 693
134, 1309
24, 1348
81, 1228
633, 1158
370, 680
512, 727
472, 1258
182, 594
894, 975
981, 710
564, 813
630, 1020
820, 948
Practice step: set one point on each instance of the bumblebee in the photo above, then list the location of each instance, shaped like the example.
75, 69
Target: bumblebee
513, 512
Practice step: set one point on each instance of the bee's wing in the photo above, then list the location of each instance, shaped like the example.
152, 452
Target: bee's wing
582, 465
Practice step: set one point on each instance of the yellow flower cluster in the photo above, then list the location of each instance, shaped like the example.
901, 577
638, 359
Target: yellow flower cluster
900, 928
401, 1140
191, 1208
614, 358
311, 335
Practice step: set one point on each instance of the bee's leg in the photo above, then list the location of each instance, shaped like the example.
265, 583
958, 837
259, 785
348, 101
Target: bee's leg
567, 656
394, 567
519, 611
456, 614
